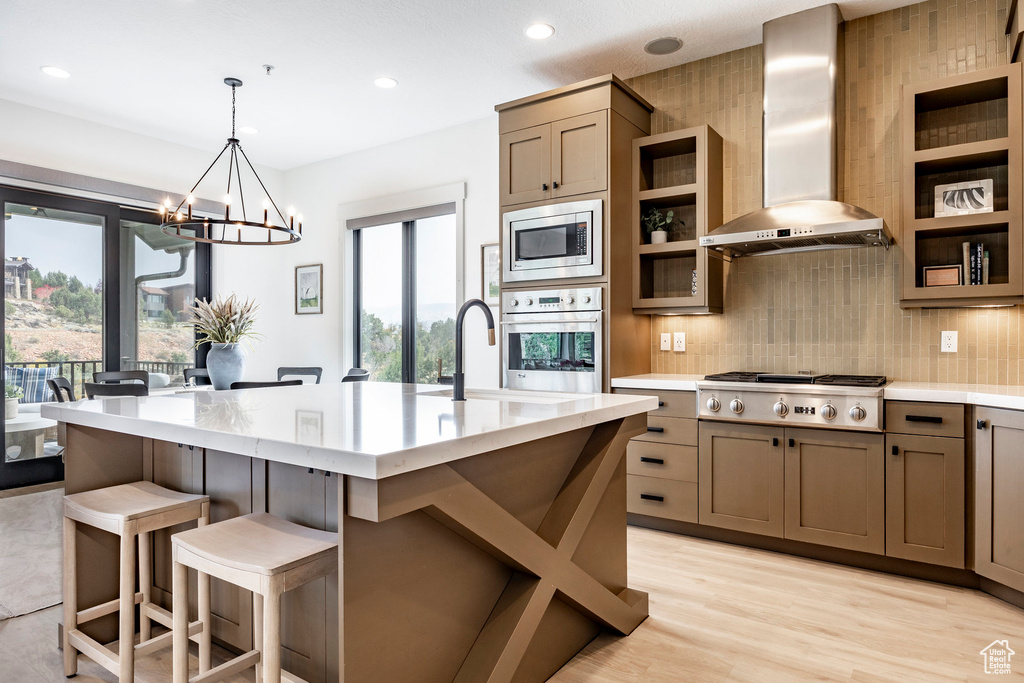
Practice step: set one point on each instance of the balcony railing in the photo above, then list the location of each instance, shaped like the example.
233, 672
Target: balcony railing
78, 371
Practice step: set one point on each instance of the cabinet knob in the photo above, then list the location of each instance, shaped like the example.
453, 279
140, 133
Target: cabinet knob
895, 450
792, 443
544, 186
775, 441
982, 424
554, 184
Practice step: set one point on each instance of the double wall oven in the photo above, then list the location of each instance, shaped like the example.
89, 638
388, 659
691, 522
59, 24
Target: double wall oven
553, 332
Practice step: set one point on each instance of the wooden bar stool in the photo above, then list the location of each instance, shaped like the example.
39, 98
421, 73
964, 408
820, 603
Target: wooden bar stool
128, 510
258, 552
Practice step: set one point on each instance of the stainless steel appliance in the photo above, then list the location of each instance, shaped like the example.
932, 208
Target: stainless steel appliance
552, 339
802, 78
851, 402
552, 241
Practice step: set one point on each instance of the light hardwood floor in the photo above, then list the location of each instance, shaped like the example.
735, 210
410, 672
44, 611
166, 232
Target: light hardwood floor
718, 613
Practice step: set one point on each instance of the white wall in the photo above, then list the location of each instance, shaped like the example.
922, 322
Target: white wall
465, 153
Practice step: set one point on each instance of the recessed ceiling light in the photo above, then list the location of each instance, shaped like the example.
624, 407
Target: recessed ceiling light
540, 31
663, 46
248, 130
55, 71
385, 82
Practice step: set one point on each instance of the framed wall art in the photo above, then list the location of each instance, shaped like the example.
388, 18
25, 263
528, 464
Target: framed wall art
490, 266
960, 199
309, 285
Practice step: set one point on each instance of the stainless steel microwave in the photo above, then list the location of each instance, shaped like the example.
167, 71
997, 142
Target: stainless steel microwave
553, 241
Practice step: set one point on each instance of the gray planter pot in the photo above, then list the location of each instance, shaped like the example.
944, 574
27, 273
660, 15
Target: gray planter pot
226, 363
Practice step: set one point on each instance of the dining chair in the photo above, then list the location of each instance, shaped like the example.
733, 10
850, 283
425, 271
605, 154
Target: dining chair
266, 385
62, 389
309, 371
94, 389
117, 376
356, 375
199, 375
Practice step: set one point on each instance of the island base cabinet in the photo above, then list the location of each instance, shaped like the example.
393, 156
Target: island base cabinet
924, 499
835, 489
741, 478
999, 496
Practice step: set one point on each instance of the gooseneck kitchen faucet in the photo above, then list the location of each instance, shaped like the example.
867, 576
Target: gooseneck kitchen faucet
459, 377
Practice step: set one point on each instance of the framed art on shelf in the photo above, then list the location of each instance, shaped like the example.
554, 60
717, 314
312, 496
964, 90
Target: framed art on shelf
490, 267
943, 276
309, 284
961, 199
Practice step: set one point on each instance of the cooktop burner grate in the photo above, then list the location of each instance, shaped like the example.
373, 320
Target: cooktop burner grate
733, 377
852, 380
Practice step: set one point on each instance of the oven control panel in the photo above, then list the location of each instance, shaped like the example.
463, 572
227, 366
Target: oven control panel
551, 300
857, 410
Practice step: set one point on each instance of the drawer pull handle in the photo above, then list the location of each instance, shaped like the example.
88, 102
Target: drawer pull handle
931, 419
661, 404
651, 496
656, 429
653, 461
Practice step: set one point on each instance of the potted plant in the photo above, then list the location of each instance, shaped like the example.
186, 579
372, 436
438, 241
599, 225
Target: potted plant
657, 224
223, 324
13, 393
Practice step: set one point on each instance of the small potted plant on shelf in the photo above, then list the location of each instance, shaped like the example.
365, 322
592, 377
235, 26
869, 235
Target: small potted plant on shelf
12, 394
657, 224
224, 324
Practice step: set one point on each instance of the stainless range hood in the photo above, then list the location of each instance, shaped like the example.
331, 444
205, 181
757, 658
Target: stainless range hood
802, 71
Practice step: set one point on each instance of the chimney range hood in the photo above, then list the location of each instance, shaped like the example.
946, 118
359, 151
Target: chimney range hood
802, 71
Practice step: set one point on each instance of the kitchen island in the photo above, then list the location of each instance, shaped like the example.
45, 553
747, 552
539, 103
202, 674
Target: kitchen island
481, 540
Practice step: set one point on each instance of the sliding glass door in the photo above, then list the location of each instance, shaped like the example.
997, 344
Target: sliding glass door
88, 286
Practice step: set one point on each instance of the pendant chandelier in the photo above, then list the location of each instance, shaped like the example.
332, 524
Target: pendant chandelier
179, 222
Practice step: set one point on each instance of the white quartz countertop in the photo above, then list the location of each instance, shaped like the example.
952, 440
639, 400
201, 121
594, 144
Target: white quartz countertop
992, 396
656, 380
364, 429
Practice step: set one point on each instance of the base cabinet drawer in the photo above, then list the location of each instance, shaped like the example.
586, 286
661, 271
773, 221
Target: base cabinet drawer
675, 430
662, 460
670, 403
925, 419
664, 498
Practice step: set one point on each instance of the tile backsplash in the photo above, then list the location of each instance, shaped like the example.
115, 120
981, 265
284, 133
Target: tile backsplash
837, 311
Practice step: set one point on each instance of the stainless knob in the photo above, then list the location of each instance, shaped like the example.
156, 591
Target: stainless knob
529, 301
586, 298
514, 302
858, 413
781, 409
736, 406
569, 299
714, 405
828, 411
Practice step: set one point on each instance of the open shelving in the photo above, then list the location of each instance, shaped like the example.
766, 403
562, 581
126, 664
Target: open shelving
679, 171
963, 129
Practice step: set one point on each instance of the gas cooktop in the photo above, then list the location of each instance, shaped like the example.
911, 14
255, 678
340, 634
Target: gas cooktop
830, 380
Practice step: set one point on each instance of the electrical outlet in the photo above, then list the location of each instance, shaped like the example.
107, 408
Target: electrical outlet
948, 342
666, 341
679, 341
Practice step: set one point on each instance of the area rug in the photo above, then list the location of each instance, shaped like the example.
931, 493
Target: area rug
30, 552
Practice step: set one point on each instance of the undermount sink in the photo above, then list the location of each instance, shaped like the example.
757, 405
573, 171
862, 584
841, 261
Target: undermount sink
505, 395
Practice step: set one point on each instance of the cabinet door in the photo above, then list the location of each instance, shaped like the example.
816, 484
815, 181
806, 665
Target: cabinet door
525, 165
298, 495
999, 497
924, 499
741, 477
835, 489
579, 154
229, 485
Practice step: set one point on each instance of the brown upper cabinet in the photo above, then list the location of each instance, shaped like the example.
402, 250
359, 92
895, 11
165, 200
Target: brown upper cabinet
962, 183
558, 159
558, 144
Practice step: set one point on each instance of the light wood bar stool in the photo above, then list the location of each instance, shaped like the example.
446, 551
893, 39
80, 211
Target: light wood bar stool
128, 510
263, 554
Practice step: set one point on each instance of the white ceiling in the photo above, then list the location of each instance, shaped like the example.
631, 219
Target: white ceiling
156, 66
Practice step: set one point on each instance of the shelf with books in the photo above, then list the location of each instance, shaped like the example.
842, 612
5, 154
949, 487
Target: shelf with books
962, 185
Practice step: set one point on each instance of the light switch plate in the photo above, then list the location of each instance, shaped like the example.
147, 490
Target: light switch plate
679, 342
666, 341
947, 344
